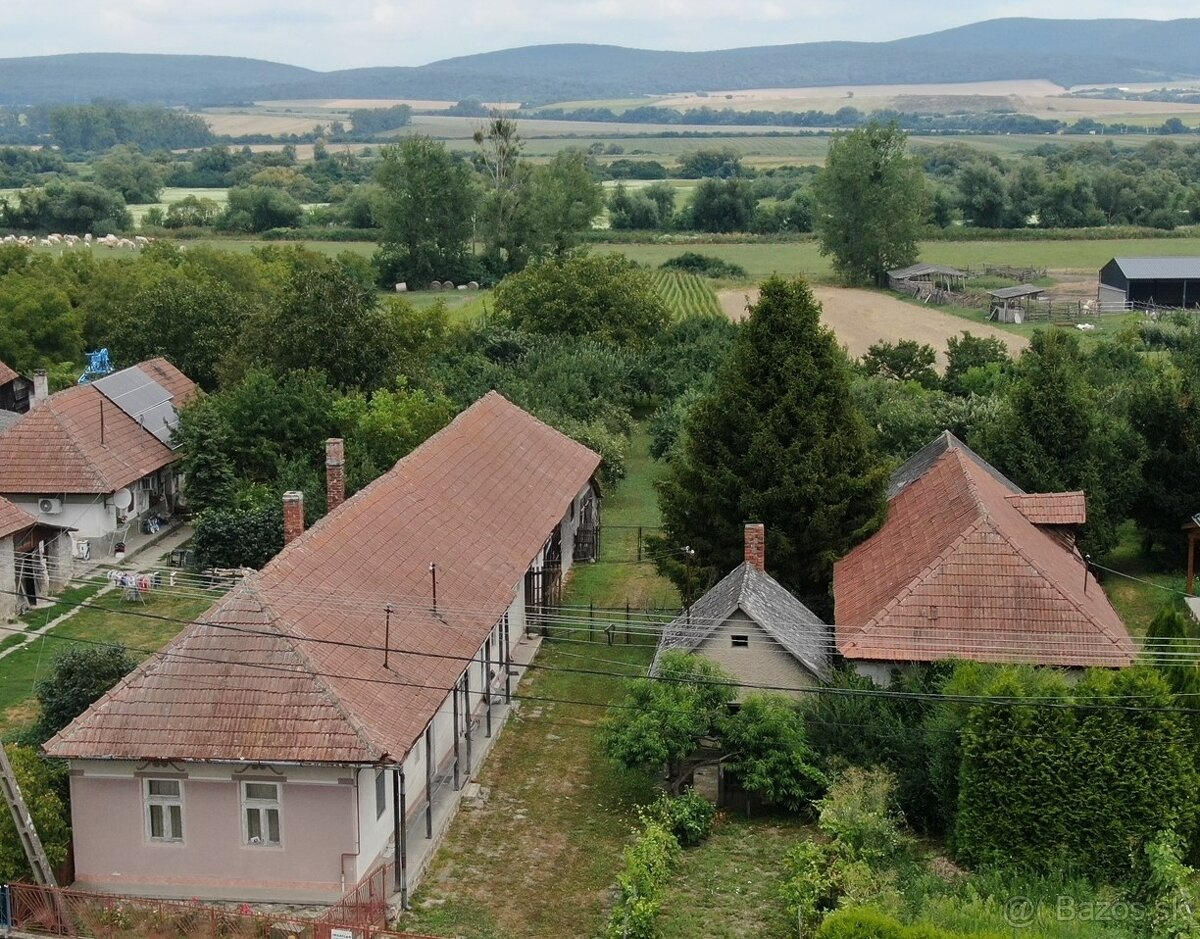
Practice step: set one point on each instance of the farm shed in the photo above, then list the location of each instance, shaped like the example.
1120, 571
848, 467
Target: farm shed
929, 274
1009, 304
750, 625
1172, 282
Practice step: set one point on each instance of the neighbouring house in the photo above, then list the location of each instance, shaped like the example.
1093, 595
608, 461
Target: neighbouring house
969, 566
15, 390
749, 624
1171, 282
97, 457
325, 715
35, 560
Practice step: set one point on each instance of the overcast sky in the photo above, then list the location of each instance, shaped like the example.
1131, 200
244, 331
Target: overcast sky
331, 34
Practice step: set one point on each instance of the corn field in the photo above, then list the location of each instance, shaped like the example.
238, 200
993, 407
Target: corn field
686, 294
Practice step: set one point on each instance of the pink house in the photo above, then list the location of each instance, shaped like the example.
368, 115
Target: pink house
327, 713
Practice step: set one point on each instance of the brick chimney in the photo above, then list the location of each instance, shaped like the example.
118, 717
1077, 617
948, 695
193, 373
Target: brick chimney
756, 545
293, 516
41, 387
335, 471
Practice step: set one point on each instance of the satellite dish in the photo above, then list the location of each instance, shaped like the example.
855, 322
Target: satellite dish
123, 499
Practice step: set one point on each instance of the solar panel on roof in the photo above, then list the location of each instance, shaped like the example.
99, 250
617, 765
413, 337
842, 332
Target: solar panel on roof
143, 399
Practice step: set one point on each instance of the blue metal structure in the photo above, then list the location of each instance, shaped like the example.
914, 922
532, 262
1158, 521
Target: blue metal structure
98, 366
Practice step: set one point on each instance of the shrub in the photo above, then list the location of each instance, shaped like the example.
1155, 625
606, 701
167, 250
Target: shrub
239, 537
35, 777
862, 923
770, 755
78, 678
810, 886
704, 265
860, 815
689, 817
649, 862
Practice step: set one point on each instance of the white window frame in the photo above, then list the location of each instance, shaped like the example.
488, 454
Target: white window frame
263, 807
380, 789
165, 802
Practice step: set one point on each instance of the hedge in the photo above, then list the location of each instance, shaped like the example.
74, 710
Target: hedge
865, 923
1073, 780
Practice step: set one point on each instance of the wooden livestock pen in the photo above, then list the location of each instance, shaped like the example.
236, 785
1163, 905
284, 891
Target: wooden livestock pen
930, 276
1011, 304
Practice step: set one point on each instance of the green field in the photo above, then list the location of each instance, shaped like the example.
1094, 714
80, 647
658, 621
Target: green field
686, 294
172, 194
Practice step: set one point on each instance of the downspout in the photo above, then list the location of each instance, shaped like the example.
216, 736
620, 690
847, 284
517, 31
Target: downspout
357, 834
400, 833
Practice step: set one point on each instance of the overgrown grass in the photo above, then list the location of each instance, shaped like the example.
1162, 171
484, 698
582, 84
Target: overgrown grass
1139, 596
728, 887
142, 628
558, 814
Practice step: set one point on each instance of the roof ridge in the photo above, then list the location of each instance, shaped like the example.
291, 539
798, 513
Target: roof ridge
294, 643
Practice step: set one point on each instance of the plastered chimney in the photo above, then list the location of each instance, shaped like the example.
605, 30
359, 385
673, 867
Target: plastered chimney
756, 545
293, 516
335, 471
41, 387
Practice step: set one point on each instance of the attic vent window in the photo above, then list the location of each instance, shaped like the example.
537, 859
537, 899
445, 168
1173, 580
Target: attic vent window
740, 642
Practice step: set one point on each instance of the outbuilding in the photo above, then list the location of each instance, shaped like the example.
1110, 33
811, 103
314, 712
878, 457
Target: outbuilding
1169, 282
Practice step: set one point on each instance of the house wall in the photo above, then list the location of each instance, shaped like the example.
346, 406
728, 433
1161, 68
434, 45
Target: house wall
8, 580
763, 662
113, 852
91, 515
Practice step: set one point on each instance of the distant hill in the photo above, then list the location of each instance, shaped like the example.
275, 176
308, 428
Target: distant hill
1065, 51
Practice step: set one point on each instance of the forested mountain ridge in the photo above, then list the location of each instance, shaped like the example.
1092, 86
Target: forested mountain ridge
1065, 51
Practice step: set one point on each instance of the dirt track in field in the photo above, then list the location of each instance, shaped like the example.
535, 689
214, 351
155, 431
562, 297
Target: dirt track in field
861, 318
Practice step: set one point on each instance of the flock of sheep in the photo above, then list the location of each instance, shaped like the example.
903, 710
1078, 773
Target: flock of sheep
72, 241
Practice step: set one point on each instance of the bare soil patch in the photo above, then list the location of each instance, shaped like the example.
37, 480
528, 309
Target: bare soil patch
861, 318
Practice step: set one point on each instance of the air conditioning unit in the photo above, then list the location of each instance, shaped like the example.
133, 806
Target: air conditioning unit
50, 506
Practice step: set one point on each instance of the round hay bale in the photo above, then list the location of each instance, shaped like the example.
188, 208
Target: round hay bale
473, 285
401, 287
448, 285
436, 285
462, 286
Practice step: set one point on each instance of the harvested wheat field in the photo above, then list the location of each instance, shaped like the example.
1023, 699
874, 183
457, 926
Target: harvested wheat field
861, 318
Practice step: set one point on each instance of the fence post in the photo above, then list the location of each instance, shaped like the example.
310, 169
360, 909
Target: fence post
626, 621
639, 553
591, 620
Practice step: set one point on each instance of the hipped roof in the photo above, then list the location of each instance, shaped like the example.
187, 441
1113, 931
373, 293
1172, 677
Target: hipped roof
289, 667
959, 571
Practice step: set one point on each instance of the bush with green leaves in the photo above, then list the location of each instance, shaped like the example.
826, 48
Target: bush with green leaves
906, 360
689, 817
866, 923
859, 813
649, 862
705, 265
239, 537
78, 678
768, 753
50, 816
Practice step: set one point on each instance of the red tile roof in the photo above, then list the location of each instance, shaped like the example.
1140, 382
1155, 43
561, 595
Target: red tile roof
64, 445
13, 518
182, 388
959, 572
1052, 508
7, 374
478, 499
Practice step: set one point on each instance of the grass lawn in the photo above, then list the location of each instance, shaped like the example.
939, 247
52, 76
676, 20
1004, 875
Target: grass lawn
113, 620
728, 887
1138, 601
557, 812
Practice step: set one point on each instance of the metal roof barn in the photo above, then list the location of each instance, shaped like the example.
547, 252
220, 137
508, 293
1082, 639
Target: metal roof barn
1171, 282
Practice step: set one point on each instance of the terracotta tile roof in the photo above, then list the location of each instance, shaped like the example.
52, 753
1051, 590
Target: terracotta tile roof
1052, 508
13, 518
7, 374
181, 387
478, 499
958, 571
62, 445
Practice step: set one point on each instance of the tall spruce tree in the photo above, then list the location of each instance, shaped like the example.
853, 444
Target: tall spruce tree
778, 440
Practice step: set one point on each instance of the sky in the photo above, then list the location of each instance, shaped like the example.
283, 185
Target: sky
333, 34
